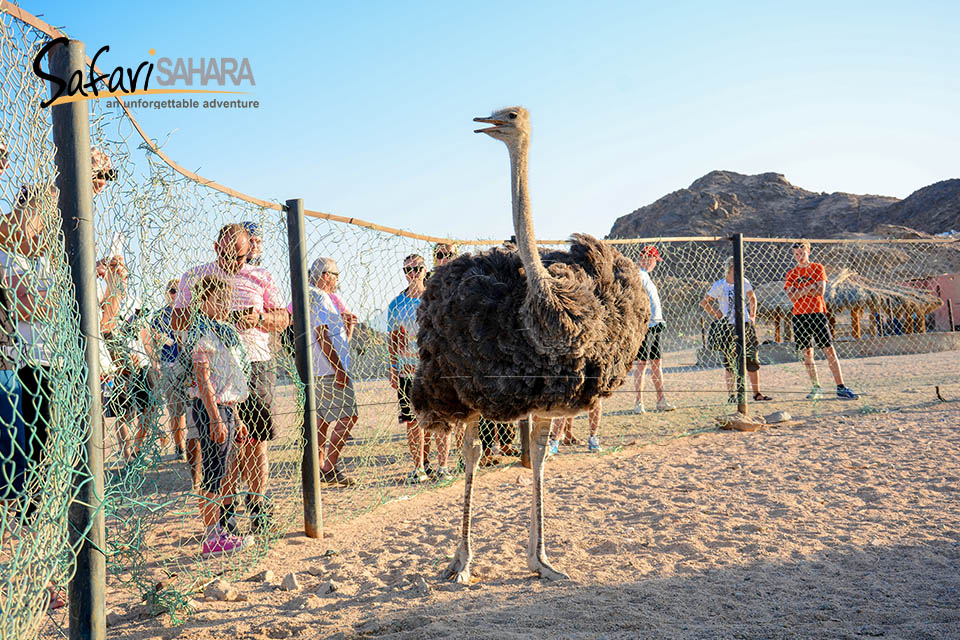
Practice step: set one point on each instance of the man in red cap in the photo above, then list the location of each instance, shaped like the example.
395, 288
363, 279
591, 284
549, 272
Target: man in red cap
650, 349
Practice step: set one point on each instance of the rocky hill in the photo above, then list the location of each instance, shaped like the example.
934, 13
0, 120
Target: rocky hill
723, 202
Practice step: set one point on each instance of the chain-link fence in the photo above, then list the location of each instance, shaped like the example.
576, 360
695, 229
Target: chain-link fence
155, 224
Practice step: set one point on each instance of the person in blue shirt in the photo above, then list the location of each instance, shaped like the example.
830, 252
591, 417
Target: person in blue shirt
171, 374
404, 358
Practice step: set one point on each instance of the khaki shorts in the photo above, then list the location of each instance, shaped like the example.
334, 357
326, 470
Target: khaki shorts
334, 403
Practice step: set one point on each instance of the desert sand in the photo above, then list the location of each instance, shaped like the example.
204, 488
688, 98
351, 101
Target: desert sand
841, 524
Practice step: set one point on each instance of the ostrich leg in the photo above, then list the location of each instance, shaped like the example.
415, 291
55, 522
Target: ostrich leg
536, 556
459, 568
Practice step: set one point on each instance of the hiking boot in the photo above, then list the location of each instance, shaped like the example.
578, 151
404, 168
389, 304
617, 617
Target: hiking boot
638, 408
846, 393
663, 405
593, 444
816, 393
417, 476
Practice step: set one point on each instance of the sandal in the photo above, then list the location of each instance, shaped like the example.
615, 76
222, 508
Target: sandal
759, 397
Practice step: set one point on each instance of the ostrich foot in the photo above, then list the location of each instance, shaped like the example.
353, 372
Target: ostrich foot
459, 568
545, 569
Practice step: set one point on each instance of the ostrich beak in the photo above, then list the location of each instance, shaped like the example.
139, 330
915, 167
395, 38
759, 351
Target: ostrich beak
493, 121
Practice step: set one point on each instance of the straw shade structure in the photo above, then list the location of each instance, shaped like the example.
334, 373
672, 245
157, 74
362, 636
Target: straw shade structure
848, 291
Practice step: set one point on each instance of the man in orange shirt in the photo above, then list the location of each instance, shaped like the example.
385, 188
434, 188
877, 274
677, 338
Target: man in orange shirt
805, 285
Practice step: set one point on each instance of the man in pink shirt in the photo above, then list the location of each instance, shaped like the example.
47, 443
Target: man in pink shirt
257, 310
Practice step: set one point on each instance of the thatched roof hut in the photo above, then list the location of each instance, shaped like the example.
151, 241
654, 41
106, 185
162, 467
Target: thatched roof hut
849, 290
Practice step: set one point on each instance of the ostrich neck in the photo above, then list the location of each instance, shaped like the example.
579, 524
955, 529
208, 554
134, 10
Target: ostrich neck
522, 222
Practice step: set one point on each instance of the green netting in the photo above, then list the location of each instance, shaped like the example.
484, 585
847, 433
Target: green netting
42, 398
153, 224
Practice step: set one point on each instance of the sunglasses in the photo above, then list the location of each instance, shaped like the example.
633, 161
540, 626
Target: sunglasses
171, 291
333, 273
444, 256
416, 269
797, 245
106, 174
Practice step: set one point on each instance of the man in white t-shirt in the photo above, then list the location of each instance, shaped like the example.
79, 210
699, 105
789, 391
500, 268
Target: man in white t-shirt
650, 351
329, 344
721, 295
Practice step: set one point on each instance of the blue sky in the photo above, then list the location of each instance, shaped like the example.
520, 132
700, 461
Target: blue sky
366, 107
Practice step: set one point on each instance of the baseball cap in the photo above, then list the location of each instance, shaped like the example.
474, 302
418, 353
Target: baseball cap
253, 228
650, 251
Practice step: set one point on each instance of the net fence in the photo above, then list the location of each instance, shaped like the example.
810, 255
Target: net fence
885, 317
884, 313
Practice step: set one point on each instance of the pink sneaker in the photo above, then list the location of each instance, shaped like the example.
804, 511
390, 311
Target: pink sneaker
220, 542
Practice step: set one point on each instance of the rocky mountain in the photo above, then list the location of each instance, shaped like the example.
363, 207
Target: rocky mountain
724, 202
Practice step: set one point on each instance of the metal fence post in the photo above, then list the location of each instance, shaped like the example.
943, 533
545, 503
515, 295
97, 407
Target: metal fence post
950, 315
741, 368
312, 510
71, 135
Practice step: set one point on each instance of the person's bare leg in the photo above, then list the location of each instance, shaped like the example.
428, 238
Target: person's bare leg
834, 363
595, 419
178, 426
536, 555
754, 381
728, 378
193, 459
811, 366
257, 468
415, 443
459, 568
442, 441
638, 376
341, 431
657, 374
322, 429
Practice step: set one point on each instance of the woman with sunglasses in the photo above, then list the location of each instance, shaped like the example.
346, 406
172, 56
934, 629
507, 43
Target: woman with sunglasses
402, 348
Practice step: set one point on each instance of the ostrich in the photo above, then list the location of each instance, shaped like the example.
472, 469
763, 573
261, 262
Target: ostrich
513, 332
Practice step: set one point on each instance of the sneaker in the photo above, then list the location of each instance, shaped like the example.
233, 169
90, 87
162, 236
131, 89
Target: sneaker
593, 444
663, 405
553, 447
337, 477
638, 408
427, 469
220, 543
732, 399
816, 393
181, 454
846, 393
417, 476
442, 474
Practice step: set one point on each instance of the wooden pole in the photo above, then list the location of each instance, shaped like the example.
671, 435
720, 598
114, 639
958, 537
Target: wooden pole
310, 470
71, 136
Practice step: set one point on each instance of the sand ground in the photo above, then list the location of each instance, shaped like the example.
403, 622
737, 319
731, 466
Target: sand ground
843, 524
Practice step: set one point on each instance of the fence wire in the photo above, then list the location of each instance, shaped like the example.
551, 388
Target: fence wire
884, 312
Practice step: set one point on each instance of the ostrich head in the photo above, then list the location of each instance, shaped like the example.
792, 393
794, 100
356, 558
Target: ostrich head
510, 125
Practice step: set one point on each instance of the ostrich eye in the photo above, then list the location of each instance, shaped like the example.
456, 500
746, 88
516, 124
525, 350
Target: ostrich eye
513, 116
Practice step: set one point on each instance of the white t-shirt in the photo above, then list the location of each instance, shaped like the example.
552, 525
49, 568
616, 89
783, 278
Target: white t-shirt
36, 275
226, 369
722, 292
656, 309
324, 312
